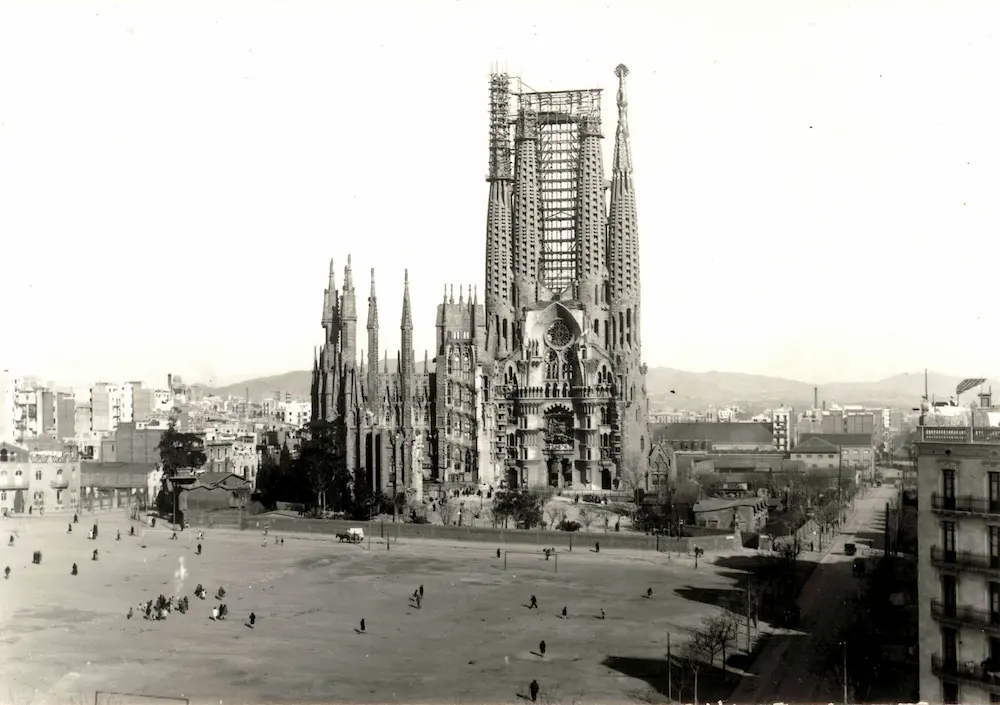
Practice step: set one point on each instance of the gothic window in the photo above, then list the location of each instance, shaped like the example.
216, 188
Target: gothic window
448, 422
551, 365
604, 416
38, 475
450, 368
447, 393
466, 361
567, 370
455, 362
18, 473
3, 455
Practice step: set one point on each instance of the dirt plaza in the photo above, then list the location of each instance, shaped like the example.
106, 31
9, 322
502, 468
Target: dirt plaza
473, 639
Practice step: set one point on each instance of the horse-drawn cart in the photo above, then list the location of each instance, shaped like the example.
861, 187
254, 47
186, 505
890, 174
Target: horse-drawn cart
351, 536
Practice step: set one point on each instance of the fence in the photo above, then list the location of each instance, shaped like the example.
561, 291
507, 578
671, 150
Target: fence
484, 534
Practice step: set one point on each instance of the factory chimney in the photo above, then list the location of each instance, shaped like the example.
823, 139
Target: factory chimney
815, 397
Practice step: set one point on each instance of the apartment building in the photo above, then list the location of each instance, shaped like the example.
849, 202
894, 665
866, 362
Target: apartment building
958, 487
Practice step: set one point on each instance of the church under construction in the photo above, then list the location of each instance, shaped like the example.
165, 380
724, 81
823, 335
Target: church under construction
541, 384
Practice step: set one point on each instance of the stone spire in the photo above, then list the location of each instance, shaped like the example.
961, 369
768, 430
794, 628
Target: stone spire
349, 319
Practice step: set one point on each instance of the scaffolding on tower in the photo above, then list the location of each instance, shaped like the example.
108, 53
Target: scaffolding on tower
559, 115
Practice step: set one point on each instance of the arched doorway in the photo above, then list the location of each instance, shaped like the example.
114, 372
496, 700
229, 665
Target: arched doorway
19, 501
559, 446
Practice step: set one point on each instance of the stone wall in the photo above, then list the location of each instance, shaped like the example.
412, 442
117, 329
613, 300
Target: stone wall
540, 538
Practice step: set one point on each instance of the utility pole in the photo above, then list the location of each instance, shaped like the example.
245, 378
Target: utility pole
845, 672
670, 672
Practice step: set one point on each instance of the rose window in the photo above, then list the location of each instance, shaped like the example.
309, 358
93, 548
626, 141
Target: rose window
559, 335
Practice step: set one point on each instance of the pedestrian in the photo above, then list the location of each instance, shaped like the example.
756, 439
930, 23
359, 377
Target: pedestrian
541, 647
129, 615
131, 531
421, 590
564, 613
253, 618
74, 570
416, 594
94, 558
199, 549
649, 593
362, 625
602, 613
215, 613
11, 542
69, 529
533, 604
76, 519
221, 593
811, 545
533, 688
418, 601
597, 547
6, 573
119, 536
282, 540
173, 536
498, 553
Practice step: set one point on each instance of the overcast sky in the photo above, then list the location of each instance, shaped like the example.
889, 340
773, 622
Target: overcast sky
817, 181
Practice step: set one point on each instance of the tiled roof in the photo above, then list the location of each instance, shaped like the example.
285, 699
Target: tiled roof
815, 444
214, 479
848, 440
761, 433
90, 466
712, 505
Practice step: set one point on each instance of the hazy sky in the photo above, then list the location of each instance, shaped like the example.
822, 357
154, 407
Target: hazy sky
817, 181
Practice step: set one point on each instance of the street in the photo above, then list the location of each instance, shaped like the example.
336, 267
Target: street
783, 666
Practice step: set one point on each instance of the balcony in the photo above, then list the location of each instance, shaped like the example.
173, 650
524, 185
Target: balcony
965, 504
60, 483
960, 434
966, 560
959, 615
13, 483
968, 671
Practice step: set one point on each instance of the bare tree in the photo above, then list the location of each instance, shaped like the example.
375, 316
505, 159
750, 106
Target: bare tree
696, 654
606, 520
586, 518
447, 510
555, 514
721, 631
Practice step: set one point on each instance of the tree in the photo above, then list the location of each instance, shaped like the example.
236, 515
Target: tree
586, 518
525, 508
693, 657
321, 463
720, 632
178, 452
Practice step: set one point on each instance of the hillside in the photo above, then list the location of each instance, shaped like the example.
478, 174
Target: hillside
694, 390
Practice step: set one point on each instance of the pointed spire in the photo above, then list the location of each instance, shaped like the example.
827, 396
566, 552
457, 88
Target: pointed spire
445, 294
475, 295
623, 151
385, 365
426, 364
372, 305
362, 362
407, 321
399, 363
348, 275
461, 294
332, 283
451, 294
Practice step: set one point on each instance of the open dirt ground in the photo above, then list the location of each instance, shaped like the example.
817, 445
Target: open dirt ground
63, 637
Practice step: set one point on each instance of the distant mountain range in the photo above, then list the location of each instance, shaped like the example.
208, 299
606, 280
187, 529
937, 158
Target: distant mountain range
670, 388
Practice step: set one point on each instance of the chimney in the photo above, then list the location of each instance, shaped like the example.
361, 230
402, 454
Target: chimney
170, 382
824, 405
815, 397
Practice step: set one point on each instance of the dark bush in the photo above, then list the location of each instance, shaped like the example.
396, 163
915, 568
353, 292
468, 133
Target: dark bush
566, 525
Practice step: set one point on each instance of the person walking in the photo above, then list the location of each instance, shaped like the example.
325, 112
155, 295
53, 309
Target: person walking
533, 689
533, 605
541, 647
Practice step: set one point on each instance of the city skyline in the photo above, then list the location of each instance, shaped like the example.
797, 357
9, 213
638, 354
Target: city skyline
202, 192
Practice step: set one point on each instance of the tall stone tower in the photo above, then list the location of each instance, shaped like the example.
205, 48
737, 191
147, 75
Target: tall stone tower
563, 347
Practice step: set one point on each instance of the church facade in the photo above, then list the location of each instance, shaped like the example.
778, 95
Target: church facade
541, 384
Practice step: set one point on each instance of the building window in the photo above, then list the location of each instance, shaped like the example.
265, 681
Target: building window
3, 496
18, 473
58, 496
38, 475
